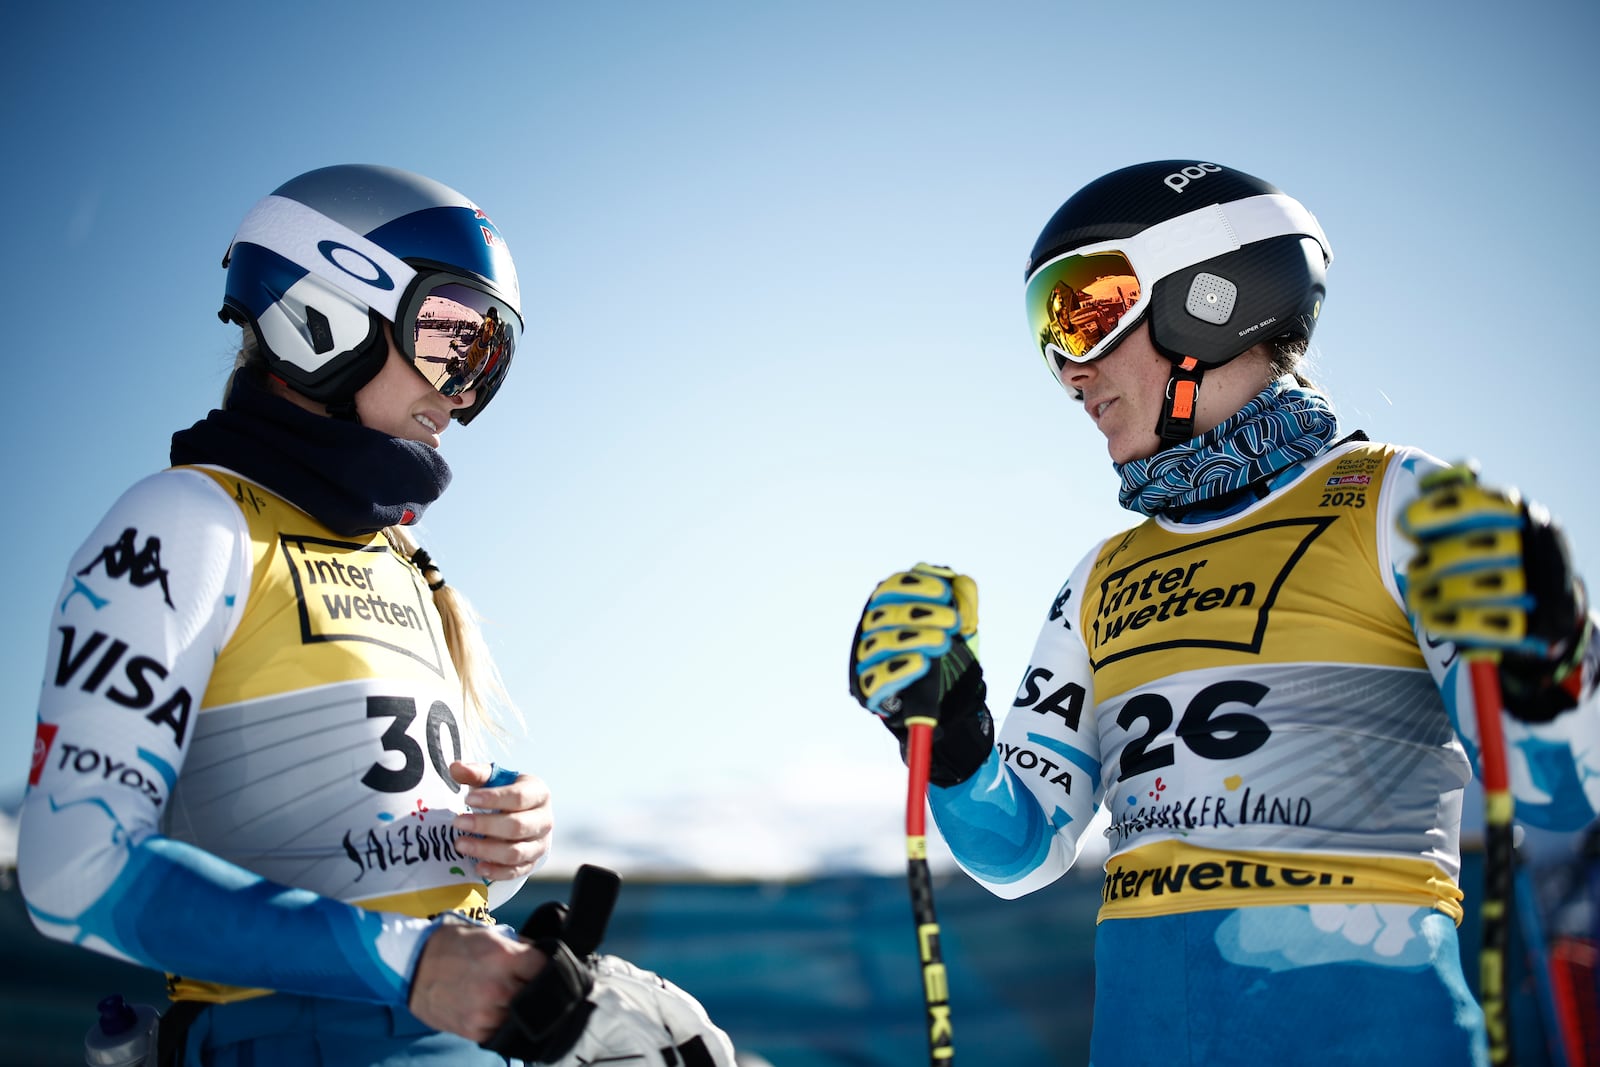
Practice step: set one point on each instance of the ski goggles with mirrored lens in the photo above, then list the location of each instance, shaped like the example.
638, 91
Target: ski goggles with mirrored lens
458, 336
1081, 303
456, 332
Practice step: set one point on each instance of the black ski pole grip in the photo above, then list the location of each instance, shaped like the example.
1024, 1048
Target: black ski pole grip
587, 913
594, 895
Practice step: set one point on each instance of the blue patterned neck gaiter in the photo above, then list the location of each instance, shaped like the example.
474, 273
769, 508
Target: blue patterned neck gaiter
1283, 424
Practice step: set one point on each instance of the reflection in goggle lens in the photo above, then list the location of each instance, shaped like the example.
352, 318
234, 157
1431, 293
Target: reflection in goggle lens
1075, 303
460, 338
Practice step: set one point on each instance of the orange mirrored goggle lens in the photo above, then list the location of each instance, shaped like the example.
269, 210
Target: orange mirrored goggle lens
1075, 304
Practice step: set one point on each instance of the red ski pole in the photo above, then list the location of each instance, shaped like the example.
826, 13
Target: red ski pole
935, 982
1498, 807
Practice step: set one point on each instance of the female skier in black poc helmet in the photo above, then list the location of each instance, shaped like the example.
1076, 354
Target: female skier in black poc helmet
1261, 684
298, 829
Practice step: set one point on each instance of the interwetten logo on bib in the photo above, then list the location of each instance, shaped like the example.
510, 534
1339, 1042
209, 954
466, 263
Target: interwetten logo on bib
358, 592
1222, 589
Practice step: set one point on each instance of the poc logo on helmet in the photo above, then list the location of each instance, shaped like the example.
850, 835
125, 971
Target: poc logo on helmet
1177, 181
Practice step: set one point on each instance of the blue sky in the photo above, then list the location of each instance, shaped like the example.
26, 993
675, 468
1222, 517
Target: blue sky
762, 248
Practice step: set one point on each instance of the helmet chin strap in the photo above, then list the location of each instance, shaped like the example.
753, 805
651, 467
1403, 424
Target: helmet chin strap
1183, 393
344, 409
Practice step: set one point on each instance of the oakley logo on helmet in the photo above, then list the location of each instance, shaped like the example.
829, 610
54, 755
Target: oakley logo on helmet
350, 261
1177, 181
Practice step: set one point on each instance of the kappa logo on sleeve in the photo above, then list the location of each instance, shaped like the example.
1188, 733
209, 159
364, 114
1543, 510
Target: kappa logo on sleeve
359, 592
1058, 609
141, 566
1216, 593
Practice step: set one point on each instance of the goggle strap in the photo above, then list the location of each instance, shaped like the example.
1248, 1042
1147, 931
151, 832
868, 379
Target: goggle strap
312, 240
1183, 393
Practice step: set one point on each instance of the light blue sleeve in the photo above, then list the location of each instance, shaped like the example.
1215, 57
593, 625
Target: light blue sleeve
1016, 825
178, 909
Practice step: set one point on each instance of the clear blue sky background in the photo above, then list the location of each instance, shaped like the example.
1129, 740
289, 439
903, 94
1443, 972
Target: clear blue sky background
771, 256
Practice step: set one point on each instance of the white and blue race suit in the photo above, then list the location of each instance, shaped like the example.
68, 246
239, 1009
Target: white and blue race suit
1282, 756
240, 774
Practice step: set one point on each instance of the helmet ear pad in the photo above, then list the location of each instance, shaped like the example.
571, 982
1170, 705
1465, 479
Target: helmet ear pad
324, 344
1280, 285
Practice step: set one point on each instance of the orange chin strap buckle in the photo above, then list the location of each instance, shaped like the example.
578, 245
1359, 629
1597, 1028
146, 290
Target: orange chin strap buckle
1183, 390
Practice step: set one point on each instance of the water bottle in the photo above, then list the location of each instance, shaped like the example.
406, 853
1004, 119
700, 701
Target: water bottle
124, 1035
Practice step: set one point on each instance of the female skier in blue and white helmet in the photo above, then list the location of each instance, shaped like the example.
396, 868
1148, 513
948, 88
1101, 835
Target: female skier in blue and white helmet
300, 828
1261, 685
335, 263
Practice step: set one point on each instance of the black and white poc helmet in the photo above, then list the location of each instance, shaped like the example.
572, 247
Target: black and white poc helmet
318, 266
1214, 259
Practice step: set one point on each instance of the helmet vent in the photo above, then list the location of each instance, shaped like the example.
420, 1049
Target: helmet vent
320, 330
1211, 298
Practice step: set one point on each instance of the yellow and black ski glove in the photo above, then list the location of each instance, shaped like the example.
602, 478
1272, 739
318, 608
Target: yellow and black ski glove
915, 652
1493, 571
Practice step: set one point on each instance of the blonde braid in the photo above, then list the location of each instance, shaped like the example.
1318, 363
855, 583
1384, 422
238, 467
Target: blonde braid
483, 692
